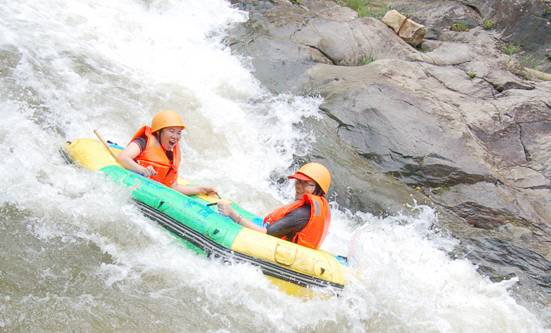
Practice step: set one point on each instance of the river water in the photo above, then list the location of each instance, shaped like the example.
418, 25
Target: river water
75, 253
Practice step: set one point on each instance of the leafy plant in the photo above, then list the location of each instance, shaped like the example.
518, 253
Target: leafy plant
459, 26
529, 61
471, 74
296, 2
367, 59
510, 49
366, 8
488, 24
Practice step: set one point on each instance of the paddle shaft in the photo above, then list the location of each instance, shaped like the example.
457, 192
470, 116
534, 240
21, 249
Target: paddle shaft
106, 146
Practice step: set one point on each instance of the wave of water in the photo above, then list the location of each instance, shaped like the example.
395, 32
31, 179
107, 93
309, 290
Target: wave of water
77, 255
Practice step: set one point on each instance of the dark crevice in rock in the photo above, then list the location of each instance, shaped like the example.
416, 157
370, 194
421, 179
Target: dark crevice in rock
377, 158
340, 123
324, 54
526, 152
417, 159
473, 7
484, 217
429, 74
509, 85
538, 187
494, 87
414, 172
437, 175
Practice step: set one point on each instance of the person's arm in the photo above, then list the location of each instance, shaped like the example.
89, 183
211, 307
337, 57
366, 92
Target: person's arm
292, 223
127, 156
193, 190
224, 207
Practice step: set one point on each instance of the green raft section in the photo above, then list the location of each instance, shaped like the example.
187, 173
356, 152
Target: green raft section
193, 213
294, 268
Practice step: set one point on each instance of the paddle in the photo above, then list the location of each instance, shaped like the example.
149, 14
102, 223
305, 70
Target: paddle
106, 146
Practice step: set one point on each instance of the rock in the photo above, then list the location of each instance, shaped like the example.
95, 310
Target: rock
394, 19
356, 183
383, 121
284, 41
538, 74
412, 33
438, 16
525, 177
523, 22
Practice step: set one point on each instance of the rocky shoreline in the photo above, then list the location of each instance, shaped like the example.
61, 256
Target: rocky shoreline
456, 123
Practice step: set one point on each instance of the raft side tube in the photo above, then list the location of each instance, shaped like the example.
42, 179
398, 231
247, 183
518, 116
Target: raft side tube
215, 250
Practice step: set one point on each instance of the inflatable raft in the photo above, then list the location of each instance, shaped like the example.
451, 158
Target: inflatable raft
199, 226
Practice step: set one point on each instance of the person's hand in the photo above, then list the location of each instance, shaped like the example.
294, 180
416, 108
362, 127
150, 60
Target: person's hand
207, 190
149, 171
224, 207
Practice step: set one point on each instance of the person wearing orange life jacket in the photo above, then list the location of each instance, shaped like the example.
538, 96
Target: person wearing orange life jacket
304, 221
154, 152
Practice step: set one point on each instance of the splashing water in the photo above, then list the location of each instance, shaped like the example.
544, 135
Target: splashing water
77, 255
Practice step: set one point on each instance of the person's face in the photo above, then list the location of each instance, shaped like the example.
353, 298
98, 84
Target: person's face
304, 187
170, 136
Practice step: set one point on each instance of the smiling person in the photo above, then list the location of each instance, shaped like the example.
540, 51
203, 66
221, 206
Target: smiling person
154, 152
304, 221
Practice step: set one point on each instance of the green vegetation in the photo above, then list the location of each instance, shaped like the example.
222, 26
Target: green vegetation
488, 24
296, 2
471, 75
546, 13
367, 59
529, 61
366, 8
459, 26
510, 49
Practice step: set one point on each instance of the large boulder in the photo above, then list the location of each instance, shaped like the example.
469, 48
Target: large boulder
433, 127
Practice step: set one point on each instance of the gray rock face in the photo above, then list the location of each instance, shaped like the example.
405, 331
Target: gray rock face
452, 127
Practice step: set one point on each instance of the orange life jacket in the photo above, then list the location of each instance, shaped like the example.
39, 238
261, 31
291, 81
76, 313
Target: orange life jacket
313, 234
155, 156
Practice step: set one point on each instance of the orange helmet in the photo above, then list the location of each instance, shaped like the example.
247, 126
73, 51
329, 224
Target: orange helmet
316, 172
166, 118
